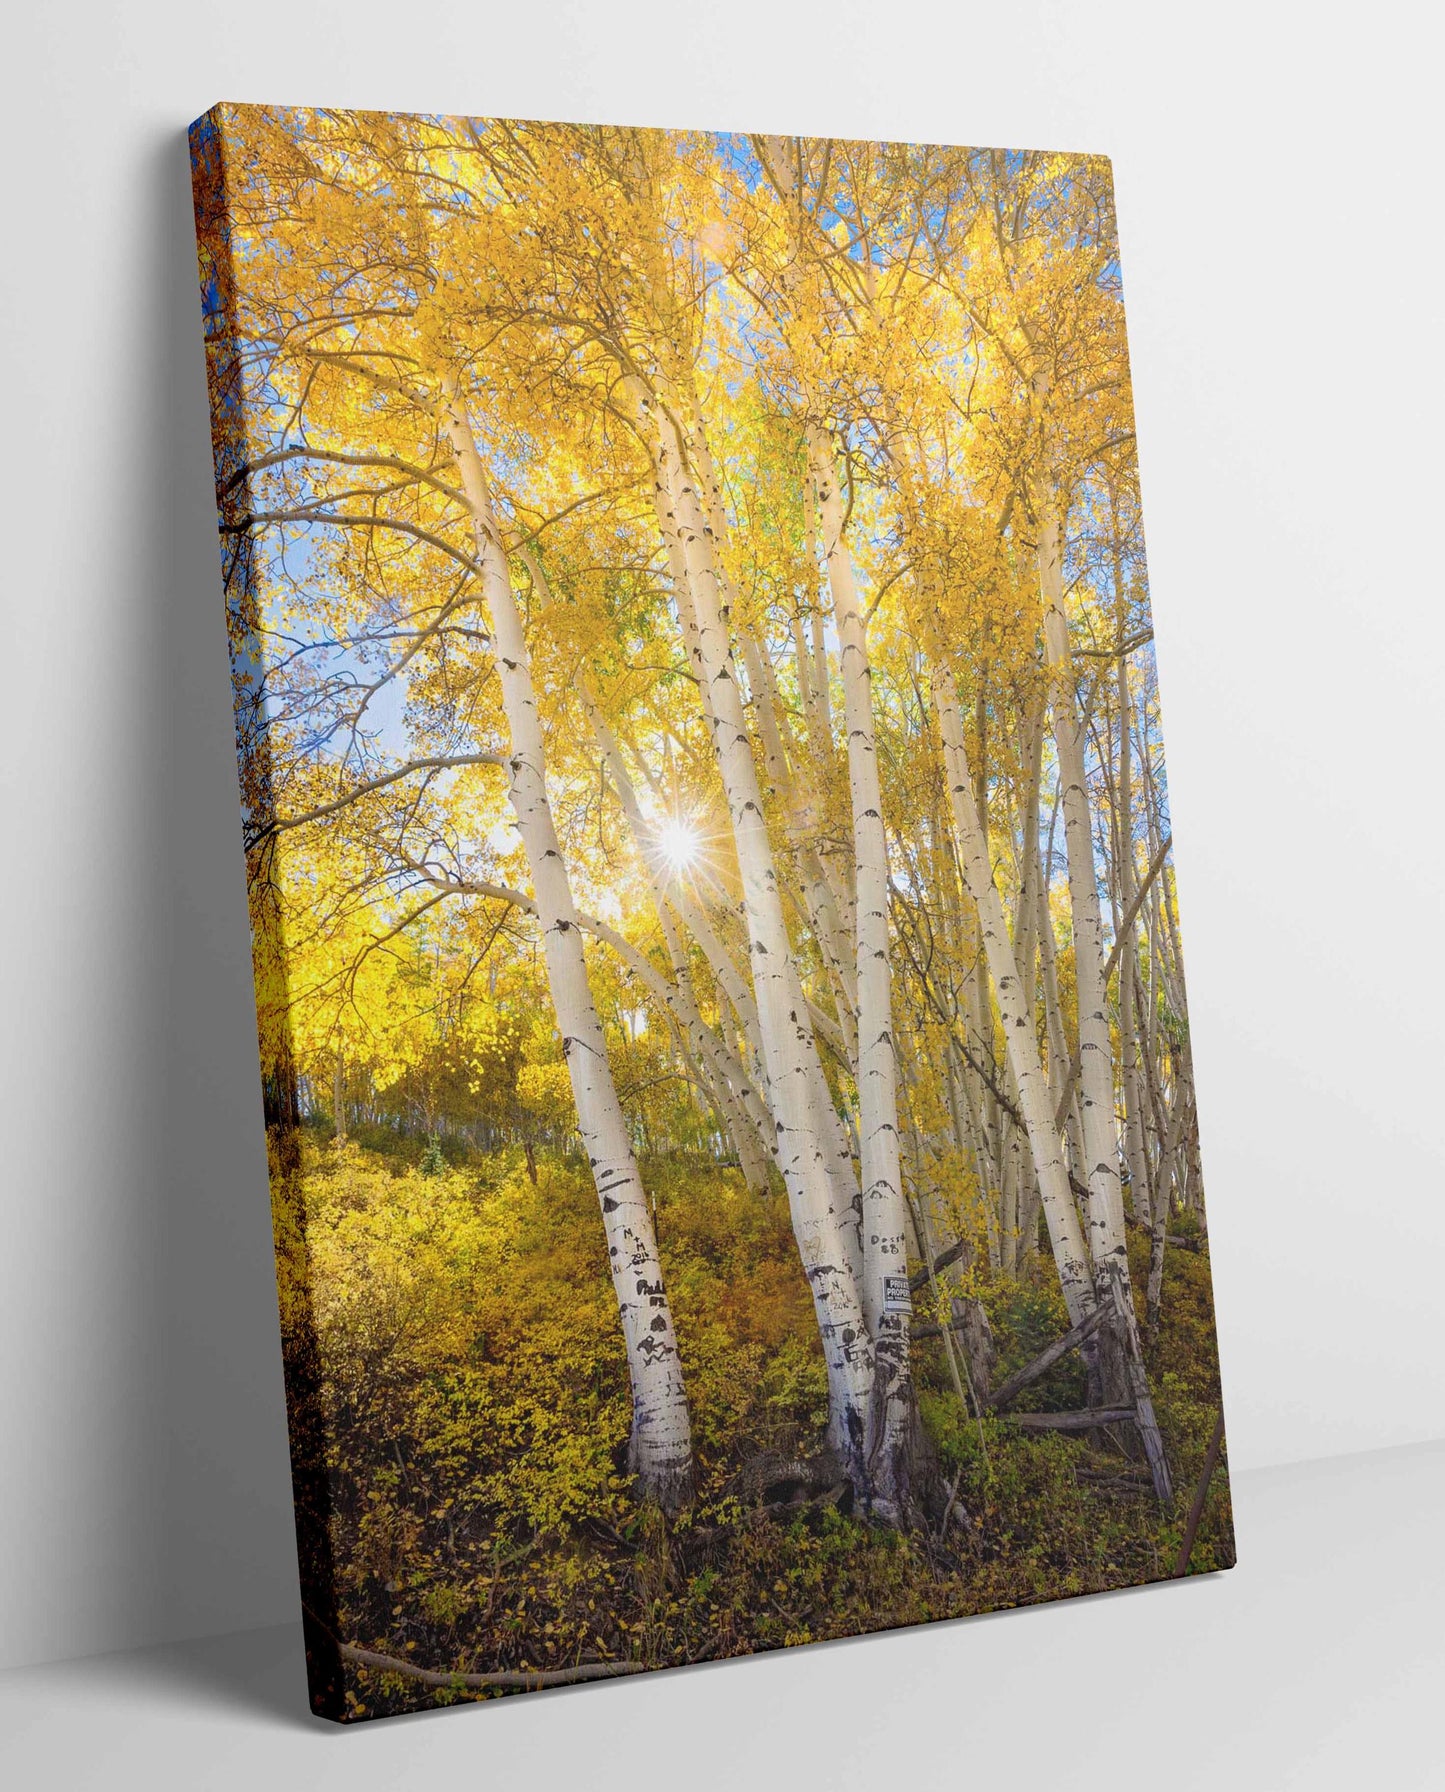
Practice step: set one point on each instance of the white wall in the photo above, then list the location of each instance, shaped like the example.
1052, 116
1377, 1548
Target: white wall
1280, 216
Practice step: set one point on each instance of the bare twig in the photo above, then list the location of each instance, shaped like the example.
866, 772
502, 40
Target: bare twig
584, 1670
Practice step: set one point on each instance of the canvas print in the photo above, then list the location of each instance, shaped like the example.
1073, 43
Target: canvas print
733, 1144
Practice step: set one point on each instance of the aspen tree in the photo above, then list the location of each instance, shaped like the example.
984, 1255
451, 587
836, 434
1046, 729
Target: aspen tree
824, 1214
660, 1449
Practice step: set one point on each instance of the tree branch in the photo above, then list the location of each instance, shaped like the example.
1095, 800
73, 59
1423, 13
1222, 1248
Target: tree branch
584, 1670
402, 771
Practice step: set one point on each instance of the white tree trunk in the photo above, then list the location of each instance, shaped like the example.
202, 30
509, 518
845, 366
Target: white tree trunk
724, 1072
1134, 1152
1096, 1054
818, 899
822, 904
684, 493
1060, 1062
687, 486
1120, 1361
886, 1303
660, 1450
1035, 1103
824, 1212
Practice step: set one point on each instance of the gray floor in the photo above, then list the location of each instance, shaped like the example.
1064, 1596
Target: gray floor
1316, 1663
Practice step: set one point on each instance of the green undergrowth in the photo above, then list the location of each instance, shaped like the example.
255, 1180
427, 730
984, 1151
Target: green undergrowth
475, 1417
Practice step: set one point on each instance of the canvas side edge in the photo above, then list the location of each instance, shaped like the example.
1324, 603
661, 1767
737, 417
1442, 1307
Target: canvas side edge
306, 1418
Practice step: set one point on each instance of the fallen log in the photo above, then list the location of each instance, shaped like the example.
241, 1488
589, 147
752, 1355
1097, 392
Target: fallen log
1089, 1419
1045, 1360
1116, 1487
1141, 1415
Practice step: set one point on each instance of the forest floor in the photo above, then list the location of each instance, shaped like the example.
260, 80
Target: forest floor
475, 1393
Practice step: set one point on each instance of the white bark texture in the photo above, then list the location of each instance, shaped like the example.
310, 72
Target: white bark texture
886, 1304
697, 457
1021, 1041
660, 1450
1096, 1056
823, 1212
1134, 1150
685, 485
817, 893
1120, 1360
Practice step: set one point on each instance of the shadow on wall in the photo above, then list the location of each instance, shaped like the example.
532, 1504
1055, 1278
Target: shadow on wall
193, 1453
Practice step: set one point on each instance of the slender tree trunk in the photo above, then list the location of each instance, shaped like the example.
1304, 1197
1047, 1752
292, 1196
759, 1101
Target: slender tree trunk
1096, 1074
741, 1110
1134, 1153
1154, 1296
1021, 1042
1060, 1059
822, 913
824, 1213
338, 1096
702, 484
748, 1120
720, 1065
886, 1302
821, 679
828, 903
660, 1449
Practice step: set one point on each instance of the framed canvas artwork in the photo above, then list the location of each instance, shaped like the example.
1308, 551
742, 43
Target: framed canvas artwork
733, 1146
